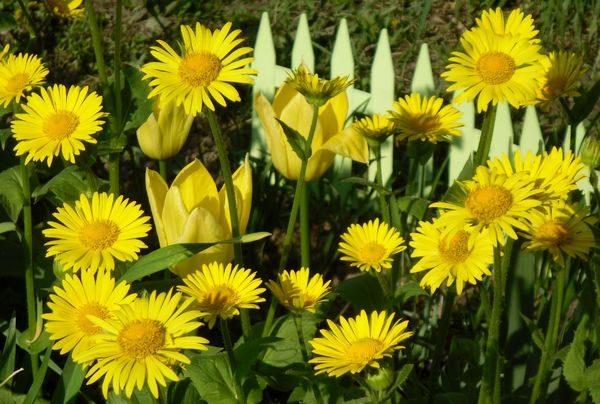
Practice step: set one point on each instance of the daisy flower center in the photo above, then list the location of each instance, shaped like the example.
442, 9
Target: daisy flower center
489, 202
99, 235
457, 248
61, 125
142, 338
17, 83
554, 233
555, 86
425, 123
495, 67
93, 309
219, 298
363, 350
199, 69
372, 253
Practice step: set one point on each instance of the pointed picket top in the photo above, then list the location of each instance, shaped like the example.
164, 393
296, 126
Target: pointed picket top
503, 131
462, 147
579, 134
531, 135
302, 51
422, 81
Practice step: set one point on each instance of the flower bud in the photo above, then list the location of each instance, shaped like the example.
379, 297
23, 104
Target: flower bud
380, 379
590, 151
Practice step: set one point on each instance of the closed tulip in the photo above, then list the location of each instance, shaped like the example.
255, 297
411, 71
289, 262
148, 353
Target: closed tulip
165, 131
330, 138
191, 210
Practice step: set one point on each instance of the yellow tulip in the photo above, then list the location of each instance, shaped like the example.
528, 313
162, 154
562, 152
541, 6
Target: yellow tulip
165, 131
330, 137
193, 211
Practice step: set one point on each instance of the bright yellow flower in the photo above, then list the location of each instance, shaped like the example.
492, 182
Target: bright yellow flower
297, 291
221, 291
317, 91
371, 246
492, 201
143, 343
292, 108
65, 8
19, 74
210, 62
453, 255
193, 211
517, 25
76, 298
376, 127
59, 121
424, 118
564, 71
94, 233
165, 131
561, 229
357, 343
495, 68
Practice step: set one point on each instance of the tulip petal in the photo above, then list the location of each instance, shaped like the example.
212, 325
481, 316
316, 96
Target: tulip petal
156, 188
333, 115
197, 188
274, 134
148, 136
348, 143
174, 216
242, 183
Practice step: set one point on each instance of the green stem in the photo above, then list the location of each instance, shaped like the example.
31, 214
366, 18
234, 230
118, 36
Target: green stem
305, 229
541, 378
485, 141
383, 206
304, 350
113, 172
594, 183
162, 169
229, 349
96, 42
440, 343
30, 24
117, 65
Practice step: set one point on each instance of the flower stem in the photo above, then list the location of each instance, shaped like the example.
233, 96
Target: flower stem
305, 229
231, 357
303, 348
440, 343
383, 206
27, 14
96, 42
485, 141
162, 169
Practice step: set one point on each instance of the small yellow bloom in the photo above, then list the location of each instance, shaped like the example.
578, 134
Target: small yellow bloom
193, 211
425, 118
65, 8
19, 74
317, 91
165, 131
375, 128
292, 108
221, 291
358, 342
297, 291
371, 246
564, 71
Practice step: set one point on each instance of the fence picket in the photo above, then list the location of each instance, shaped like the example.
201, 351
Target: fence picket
462, 147
531, 135
503, 131
302, 50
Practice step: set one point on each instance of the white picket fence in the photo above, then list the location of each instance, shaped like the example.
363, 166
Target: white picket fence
381, 96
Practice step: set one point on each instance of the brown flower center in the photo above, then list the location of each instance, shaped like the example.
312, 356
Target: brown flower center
457, 248
554, 233
218, 299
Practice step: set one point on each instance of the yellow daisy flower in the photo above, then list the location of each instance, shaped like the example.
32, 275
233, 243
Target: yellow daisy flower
221, 291
94, 233
516, 25
495, 68
461, 255
371, 246
316, 90
424, 118
76, 298
354, 344
297, 291
376, 127
141, 345
492, 201
65, 8
57, 122
561, 229
564, 71
210, 62
19, 74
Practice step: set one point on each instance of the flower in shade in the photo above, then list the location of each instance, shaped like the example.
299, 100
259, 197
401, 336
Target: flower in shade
192, 210
297, 291
58, 121
451, 255
220, 291
424, 118
4, 52
316, 90
142, 344
65, 8
371, 246
561, 229
203, 74
517, 25
358, 342
491, 201
19, 74
564, 71
96, 231
76, 298
375, 128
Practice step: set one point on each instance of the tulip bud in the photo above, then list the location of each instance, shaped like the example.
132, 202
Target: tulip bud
380, 379
590, 151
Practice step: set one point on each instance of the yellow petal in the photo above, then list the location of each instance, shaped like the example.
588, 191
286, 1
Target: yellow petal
174, 126
148, 136
242, 184
156, 188
275, 138
174, 216
197, 188
333, 114
348, 143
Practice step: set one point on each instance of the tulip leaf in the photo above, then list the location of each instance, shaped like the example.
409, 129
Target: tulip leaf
296, 140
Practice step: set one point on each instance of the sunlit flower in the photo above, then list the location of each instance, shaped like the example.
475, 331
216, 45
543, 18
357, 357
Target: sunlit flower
65, 8
316, 90
517, 25
19, 74
297, 291
371, 246
376, 127
210, 62
564, 71
358, 342
95, 232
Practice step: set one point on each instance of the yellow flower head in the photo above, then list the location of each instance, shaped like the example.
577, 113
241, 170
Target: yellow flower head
19, 74
424, 118
376, 127
222, 290
192, 210
371, 246
564, 71
496, 67
140, 346
449, 255
297, 291
210, 62
561, 229
358, 342
76, 298
316, 90
65, 8
492, 201
59, 121
95, 232
517, 25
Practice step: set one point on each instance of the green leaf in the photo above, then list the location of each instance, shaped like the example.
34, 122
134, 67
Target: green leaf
5, 133
6, 227
401, 376
287, 350
247, 352
363, 292
585, 104
69, 384
68, 185
183, 392
574, 363
35, 387
7, 22
140, 107
7, 359
414, 206
296, 141
409, 290
213, 378
455, 191
11, 192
